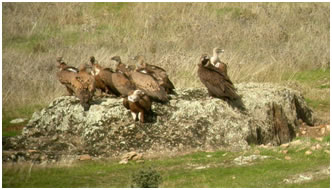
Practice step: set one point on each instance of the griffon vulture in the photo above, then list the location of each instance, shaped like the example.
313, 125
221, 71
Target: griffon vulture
157, 72
218, 83
139, 104
112, 82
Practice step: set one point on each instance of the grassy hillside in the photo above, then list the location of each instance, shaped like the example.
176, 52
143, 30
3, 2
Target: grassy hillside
263, 42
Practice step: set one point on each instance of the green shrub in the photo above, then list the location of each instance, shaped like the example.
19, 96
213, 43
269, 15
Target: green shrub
146, 178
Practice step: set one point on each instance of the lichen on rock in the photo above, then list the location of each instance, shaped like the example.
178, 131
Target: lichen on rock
191, 120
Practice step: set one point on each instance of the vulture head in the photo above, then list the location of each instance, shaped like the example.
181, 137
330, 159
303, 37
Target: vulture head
217, 51
136, 96
117, 59
59, 59
140, 61
205, 60
92, 60
61, 64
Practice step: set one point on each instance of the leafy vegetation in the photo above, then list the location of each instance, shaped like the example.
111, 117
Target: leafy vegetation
146, 178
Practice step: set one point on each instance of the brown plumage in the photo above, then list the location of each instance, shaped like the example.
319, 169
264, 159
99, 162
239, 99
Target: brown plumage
66, 77
121, 67
86, 90
143, 81
157, 72
112, 82
96, 68
218, 83
149, 85
81, 84
139, 104
61, 65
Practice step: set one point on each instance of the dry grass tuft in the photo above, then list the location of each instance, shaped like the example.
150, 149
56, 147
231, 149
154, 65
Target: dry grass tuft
262, 41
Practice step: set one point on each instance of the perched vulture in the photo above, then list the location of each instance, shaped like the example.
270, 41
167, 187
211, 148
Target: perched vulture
111, 82
63, 66
157, 72
121, 67
66, 75
149, 85
143, 81
85, 91
81, 83
218, 83
139, 104
215, 61
96, 68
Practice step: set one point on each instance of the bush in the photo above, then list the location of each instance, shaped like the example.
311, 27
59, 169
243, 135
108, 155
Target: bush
146, 178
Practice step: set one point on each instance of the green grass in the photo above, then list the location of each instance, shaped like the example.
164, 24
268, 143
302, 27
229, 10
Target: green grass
21, 112
318, 104
311, 77
179, 171
315, 81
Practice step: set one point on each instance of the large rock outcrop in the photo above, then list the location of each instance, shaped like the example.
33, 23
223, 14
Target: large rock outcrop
191, 120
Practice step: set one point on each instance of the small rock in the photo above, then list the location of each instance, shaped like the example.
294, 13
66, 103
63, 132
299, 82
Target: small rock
303, 132
265, 145
85, 157
18, 120
200, 167
328, 128
308, 152
327, 151
313, 148
288, 158
233, 177
286, 181
318, 147
140, 161
209, 156
302, 178
137, 157
284, 151
13, 156
295, 143
286, 145
129, 155
320, 139
322, 131
124, 161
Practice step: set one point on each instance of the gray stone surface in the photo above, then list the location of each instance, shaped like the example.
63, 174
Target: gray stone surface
191, 120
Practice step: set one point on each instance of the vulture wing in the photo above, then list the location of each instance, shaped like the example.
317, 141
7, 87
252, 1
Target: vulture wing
149, 85
217, 83
122, 84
